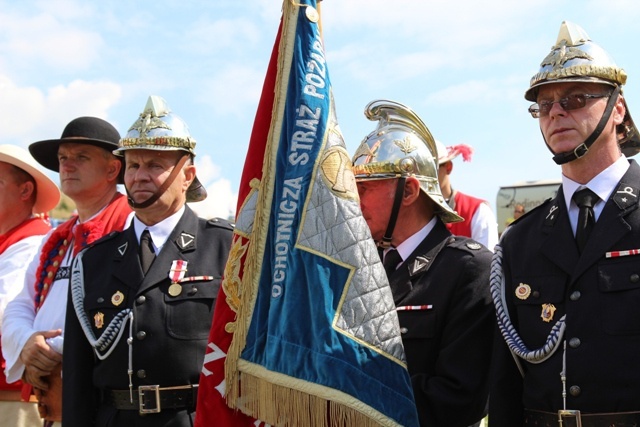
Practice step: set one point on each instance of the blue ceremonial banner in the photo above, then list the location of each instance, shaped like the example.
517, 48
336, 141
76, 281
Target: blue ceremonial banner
316, 339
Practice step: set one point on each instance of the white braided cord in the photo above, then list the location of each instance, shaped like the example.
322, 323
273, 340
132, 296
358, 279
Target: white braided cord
103, 346
508, 331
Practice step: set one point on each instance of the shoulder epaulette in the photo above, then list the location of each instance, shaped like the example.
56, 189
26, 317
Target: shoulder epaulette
221, 223
466, 244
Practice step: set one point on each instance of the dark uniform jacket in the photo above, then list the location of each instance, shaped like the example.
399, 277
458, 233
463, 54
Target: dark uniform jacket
169, 332
600, 297
447, 322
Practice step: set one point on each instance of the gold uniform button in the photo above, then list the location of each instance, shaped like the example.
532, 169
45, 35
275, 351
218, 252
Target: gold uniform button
574, 391
141, 299
141, 335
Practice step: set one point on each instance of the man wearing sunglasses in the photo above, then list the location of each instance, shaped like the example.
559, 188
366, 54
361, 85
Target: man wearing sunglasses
566, 276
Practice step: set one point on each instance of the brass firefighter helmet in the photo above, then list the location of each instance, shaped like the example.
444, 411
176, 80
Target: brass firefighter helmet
575, 58
158, 128
401, 146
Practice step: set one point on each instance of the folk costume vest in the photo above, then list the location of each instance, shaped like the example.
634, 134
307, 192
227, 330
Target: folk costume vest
466, 206
31, 227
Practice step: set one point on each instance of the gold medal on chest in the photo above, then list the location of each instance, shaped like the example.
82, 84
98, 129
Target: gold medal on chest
523, 291
175, 289
547, 312
117, 298
98, 320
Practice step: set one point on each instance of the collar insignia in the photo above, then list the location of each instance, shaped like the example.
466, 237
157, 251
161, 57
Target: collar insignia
185, 240
419, 264
550, 219
625, 196
123, 248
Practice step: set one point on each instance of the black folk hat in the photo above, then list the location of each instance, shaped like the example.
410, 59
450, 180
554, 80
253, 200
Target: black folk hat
83, 130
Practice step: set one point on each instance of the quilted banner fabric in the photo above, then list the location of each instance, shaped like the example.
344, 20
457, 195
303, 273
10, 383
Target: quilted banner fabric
305, 323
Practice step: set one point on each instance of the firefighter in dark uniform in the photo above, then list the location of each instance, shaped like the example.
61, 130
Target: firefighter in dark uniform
135, 341
440, 282
566, 276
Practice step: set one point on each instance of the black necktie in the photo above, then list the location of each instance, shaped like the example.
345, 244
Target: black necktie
391, 260
585, 199
147, 254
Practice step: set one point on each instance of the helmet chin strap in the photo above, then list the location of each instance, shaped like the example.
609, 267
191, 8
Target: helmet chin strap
167, 182
582, 149
386, 240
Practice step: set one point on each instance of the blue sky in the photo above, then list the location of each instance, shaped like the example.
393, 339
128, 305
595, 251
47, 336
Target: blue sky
462, 66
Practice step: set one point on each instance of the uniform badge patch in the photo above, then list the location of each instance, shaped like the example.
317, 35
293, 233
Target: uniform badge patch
547, 312
98, 320
117, 298
523, 291
474, 246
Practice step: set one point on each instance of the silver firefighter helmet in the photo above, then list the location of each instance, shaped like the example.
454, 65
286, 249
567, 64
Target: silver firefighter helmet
157, 128
575, 58
401, 146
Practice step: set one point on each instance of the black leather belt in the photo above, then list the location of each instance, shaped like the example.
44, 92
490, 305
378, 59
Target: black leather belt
576, 419
151, 399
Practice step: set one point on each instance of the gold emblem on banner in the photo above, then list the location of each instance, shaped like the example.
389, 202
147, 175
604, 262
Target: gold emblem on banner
175, 289
117, 298
523, 291
98, 320
547, 312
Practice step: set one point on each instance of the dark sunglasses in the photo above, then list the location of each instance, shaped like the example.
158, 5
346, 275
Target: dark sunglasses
570, 102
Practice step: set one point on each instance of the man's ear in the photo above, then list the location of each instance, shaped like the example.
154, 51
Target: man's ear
619, 111
449, 167
26, 190
189, 174
115, 165
411, 190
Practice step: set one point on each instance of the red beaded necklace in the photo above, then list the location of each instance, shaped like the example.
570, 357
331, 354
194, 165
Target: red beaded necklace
53, 253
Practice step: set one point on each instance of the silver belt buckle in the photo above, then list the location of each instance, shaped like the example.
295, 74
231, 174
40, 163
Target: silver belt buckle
141, 393
570, 414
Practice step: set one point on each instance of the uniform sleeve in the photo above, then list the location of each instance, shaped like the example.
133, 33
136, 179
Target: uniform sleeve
505, 406
460, 383
13, 267
79, 397
17, 323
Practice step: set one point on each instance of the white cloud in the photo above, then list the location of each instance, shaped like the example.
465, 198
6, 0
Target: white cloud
220, 202
207, 171
44, 38
30, 114
221, 199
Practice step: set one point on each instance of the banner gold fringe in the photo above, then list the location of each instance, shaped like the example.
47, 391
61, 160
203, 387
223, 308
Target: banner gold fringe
286, 407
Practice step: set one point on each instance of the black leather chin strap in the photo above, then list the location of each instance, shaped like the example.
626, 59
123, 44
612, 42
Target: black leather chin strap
582, 149
386, 240
167, 182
